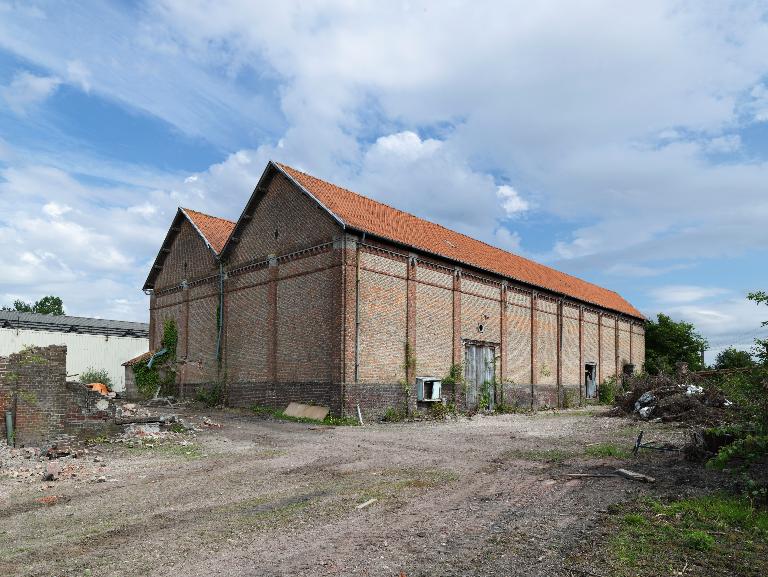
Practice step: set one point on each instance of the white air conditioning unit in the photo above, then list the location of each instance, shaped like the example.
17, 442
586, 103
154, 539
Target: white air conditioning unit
428, 389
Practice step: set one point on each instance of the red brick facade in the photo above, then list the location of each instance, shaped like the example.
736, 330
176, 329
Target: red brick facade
316, 312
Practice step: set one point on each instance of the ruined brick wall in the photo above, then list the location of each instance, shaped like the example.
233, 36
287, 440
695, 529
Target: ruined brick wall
46, 408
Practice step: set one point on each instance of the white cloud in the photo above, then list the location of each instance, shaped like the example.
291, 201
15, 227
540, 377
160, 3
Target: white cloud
511, 201
79, 74
27, 90
570, 104
759, 103
55, 210
507, 239
685, 293
640, 271
722, 144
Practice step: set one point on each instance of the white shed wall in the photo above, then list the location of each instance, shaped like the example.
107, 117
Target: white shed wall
83, 351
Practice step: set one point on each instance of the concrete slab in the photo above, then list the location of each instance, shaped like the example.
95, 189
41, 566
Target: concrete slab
306, 411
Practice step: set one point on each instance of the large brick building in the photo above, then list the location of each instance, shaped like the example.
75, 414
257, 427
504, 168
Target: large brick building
321, 295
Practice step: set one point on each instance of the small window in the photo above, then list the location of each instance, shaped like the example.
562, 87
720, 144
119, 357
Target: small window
481, 328
277, 234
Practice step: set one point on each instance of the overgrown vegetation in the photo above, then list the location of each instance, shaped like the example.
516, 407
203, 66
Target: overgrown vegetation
609, 390
212, 397
329, 420
455, 379
607, 450
93, 375
569, 399
668, 342
161, 376
732, 358
394, 415
716, 534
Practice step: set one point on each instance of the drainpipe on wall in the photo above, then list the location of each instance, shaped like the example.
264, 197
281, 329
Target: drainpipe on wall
9, 428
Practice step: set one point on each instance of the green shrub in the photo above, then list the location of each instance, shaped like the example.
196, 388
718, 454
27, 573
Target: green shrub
212, 397
747, 450
92, 375
608, 391
569, 399
748, 390
699, 540
393, 415
438, 411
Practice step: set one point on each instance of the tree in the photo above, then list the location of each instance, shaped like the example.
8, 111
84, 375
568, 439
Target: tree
48, 305
760, 349
668, 342
732, 358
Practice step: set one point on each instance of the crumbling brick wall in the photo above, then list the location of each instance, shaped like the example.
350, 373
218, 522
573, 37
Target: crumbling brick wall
46, 408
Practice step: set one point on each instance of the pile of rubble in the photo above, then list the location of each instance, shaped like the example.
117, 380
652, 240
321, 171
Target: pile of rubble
30, 465
682, 397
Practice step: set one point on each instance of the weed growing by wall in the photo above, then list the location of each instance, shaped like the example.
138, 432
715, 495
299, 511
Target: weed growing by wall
161, 376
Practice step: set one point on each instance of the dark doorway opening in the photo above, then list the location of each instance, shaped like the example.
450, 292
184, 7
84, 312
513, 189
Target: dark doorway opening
590, 380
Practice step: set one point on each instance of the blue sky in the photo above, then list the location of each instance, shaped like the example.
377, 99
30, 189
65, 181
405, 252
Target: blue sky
623, 142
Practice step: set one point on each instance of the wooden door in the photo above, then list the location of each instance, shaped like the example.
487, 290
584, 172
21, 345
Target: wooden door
479, 371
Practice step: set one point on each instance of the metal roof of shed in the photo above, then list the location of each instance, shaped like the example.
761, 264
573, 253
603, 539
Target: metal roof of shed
76, 325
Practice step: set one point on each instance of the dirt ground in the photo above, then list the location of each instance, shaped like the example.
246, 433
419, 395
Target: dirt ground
486, 496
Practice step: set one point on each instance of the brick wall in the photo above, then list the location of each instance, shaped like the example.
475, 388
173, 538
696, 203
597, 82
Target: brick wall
189, 258
563, 342
46, 408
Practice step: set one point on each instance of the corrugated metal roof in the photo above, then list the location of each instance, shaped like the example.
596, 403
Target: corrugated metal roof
67, 324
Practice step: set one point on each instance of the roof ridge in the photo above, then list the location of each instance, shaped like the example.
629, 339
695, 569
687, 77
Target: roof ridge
185, 209
400, 210
450, 230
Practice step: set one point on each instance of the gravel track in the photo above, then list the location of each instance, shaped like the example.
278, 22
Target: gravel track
486, 496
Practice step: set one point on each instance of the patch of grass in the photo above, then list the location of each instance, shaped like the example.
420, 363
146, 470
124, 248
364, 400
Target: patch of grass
607, 450
539, 455
329, 420
634, 519
699, 540
719, 534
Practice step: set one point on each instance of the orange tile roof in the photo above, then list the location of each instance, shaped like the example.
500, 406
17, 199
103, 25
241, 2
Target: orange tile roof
215, 230
376, 218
